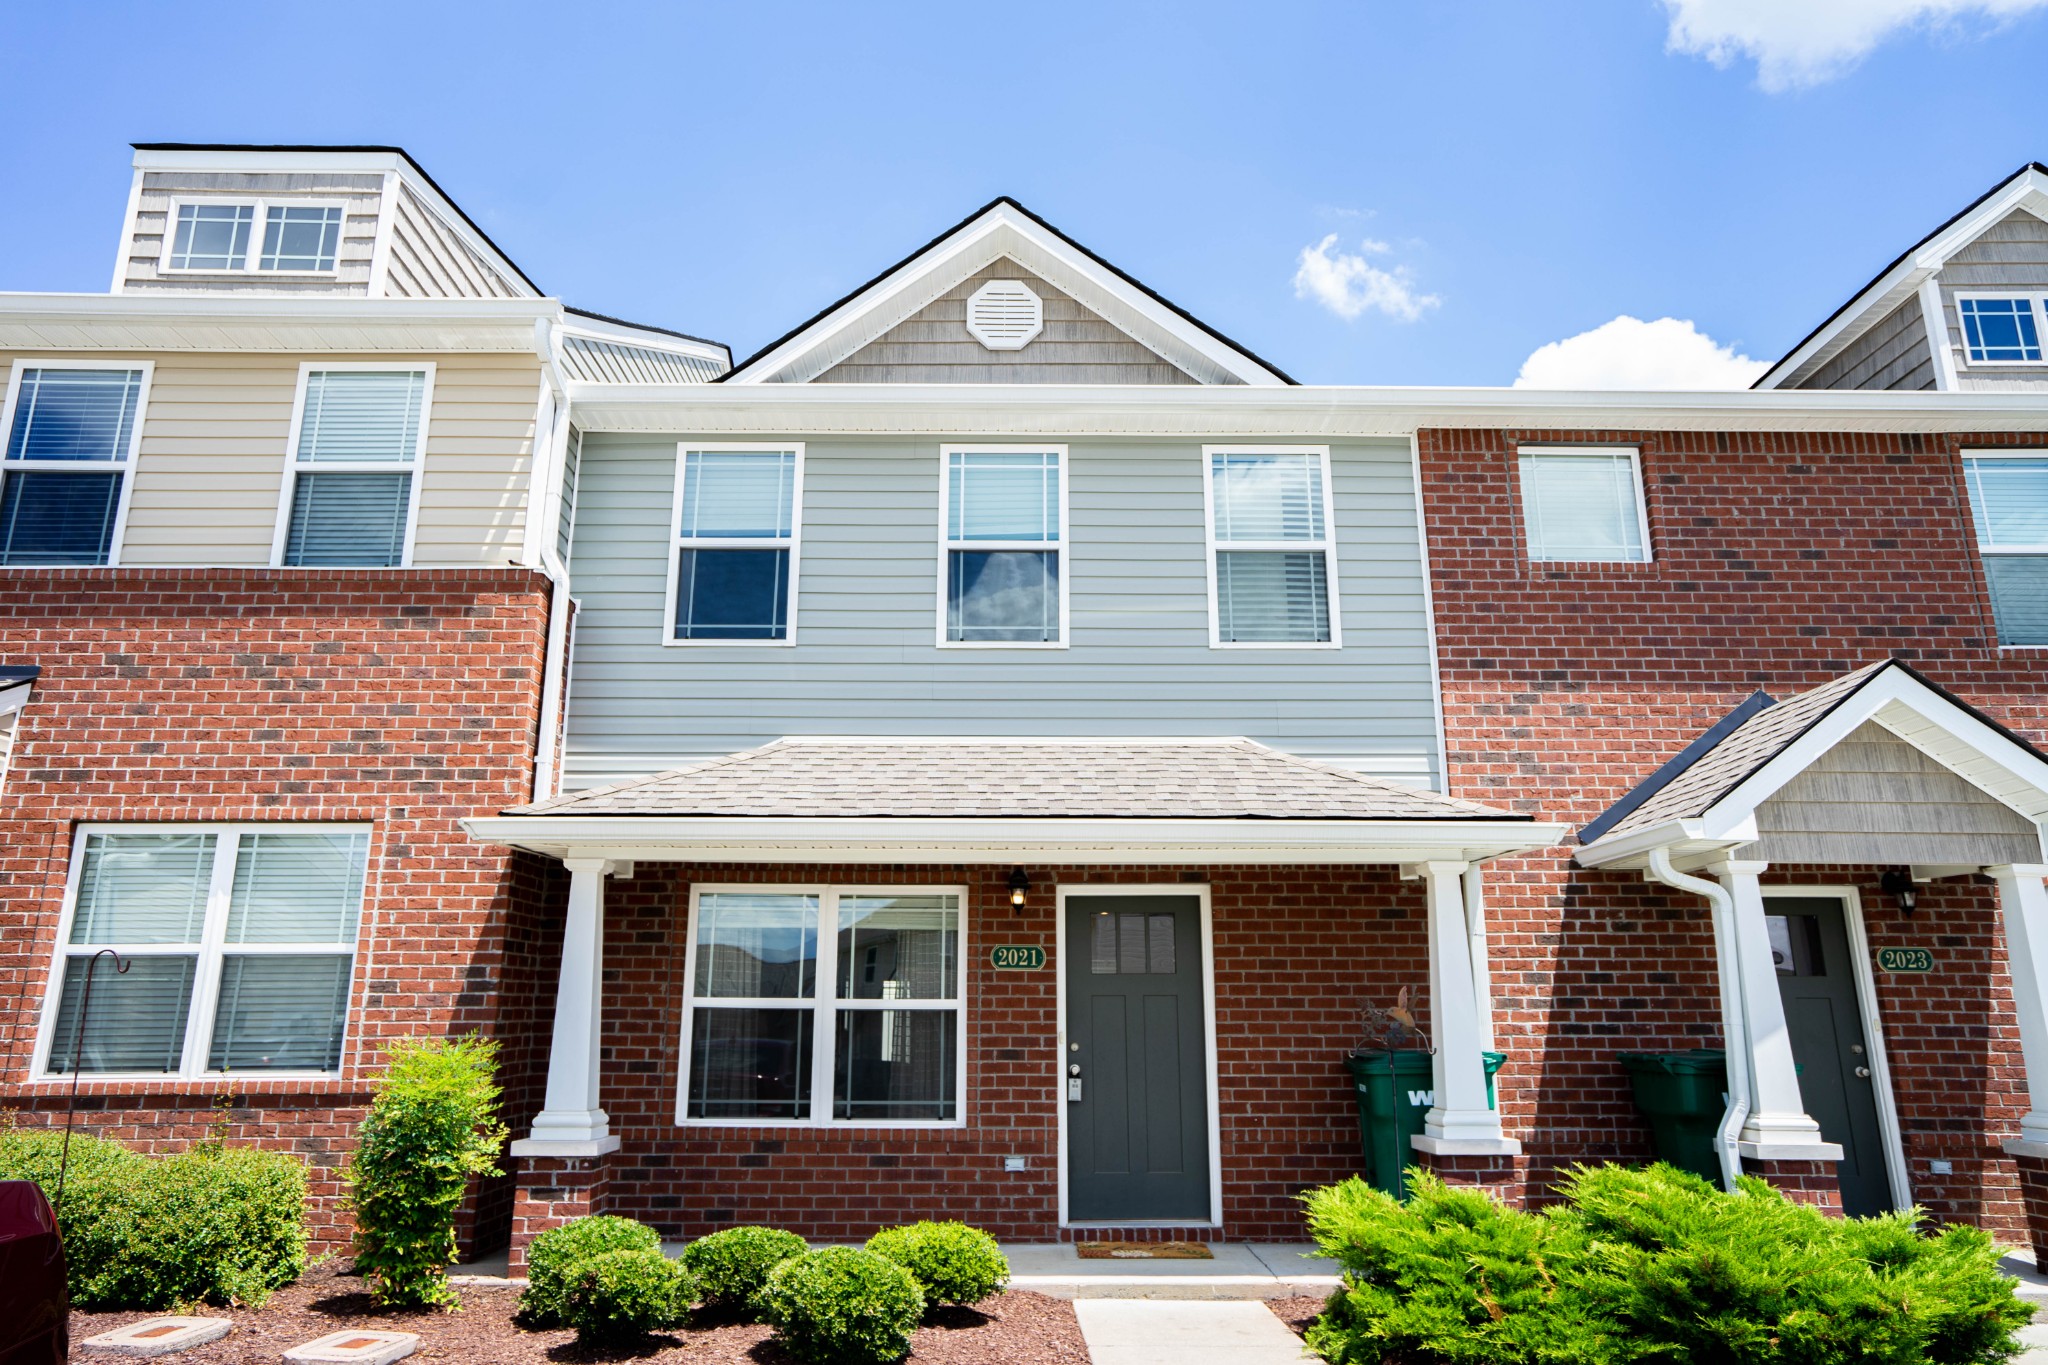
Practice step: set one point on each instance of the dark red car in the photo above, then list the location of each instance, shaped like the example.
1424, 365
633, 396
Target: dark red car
35, 1310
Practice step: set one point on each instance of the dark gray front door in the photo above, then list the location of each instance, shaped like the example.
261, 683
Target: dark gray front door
1138, 1133
1816, 980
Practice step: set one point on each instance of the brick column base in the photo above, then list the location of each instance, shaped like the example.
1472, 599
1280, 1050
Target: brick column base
1506, 1178
1803, 1182
550, 1191
2034, 1193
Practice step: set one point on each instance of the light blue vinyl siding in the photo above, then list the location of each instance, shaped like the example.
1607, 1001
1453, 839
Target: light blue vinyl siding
866, 658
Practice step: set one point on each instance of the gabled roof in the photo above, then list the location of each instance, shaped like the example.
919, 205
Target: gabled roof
2026, 188
1002, 228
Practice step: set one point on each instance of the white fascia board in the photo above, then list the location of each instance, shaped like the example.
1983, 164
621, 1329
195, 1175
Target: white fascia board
142, 322
1687, 839
1322, 842
1223, 411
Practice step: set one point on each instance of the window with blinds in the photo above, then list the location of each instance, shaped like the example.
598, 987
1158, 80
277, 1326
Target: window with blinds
1005, 539
71, 437
732, 564
356, 452
239, 944
1583, 505
1270, 568
2009, 501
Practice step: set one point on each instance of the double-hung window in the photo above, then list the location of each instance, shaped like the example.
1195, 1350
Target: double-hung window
1583, 504
2009, 499
1272, 574
213, 235
357, 443
1003, 580
733, 561
71, 430
823, 1006
239, 945
2002, 329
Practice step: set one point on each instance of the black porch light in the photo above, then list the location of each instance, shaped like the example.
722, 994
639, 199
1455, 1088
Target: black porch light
1019, 884
1898, 883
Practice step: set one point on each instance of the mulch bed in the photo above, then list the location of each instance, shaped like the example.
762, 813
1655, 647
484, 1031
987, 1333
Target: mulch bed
1009, 1329
1298, 1311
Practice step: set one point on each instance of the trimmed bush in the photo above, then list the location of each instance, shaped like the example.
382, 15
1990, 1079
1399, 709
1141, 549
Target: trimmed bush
732, 1265
223, 1225
432, 1126
616, 1296
1650, 1265
554, 1257
840, 1306
952, 1262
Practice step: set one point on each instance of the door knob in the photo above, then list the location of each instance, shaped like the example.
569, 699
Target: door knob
1863, 1073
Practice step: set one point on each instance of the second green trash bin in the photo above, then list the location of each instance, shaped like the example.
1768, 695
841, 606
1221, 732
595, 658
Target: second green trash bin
1683, 1095
1394, 1091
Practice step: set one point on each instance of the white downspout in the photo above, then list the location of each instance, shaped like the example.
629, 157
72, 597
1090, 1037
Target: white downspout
549, 464
1735, 1040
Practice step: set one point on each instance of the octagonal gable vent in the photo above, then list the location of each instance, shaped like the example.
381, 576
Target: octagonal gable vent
1004, 315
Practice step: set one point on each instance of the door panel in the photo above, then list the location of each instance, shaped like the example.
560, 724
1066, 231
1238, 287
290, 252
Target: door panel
1816, 981
1138, 1138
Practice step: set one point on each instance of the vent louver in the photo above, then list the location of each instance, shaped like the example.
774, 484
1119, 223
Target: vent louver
1004, 315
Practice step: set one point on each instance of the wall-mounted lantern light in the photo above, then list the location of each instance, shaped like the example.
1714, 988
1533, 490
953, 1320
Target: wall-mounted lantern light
1019, 884
1898, 883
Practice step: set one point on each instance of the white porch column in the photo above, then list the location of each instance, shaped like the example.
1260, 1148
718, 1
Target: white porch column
1778, 1127
1460, 1123
1475, 933
571, 1124
2023, 905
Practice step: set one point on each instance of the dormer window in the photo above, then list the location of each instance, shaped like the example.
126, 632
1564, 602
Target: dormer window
291, 239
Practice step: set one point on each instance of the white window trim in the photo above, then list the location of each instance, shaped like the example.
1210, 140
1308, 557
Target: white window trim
1327, 546
947, 545
2035, 299
1966, 455
824, 1003
254, 254
1635, 466
125, 466
210, 950
293, 467
677, 541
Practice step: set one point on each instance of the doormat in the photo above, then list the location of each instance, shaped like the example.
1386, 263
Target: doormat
1143, 1251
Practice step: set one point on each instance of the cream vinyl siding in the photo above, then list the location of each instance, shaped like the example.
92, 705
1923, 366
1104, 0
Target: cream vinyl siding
211, 466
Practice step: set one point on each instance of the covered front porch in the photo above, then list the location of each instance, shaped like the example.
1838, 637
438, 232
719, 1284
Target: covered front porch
1061, 989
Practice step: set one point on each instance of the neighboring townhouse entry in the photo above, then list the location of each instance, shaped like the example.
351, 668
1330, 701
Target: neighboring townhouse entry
1831, 1041
1135, 1083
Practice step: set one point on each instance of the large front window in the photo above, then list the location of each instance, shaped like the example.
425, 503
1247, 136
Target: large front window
2009, 499
71, 433
1270, 566
239, 945
732, 568
1005, 510
822, 1006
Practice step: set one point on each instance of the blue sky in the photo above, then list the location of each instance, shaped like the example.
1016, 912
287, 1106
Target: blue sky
1497, 176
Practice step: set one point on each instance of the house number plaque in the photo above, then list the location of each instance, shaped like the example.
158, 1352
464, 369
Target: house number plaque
1905, 959
1016, 957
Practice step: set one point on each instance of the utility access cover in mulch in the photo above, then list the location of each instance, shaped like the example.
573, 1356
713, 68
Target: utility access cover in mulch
1009, 1329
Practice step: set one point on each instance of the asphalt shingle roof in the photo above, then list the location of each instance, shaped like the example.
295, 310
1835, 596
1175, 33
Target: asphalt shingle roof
1217, 779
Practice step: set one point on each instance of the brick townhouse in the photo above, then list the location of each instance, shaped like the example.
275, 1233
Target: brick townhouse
1012, 734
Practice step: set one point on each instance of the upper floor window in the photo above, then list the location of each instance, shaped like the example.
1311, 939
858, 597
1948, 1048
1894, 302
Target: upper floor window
2009, 499
240, 943
1584, 505
1005, 513
2001, 330
293, 238
1271, 573
72, 430
358, 439
732, 567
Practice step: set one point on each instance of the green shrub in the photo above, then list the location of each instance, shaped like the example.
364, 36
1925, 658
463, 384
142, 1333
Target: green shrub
618, 1295
840, 1306
1650, 1265
225, 1225
555, 1256
732, 1265
432, 1126
952, 1263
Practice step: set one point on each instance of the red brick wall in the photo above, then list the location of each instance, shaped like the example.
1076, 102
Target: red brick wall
1780, 561
402, 699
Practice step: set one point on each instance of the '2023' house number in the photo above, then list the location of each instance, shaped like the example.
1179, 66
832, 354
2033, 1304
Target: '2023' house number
1905, 960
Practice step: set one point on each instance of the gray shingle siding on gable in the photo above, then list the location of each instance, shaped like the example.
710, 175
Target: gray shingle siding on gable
1893, 354
2012, 254
866, 661
360, 195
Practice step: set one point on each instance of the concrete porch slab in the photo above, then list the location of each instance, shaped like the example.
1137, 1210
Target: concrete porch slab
1122, 1332
1240, 1270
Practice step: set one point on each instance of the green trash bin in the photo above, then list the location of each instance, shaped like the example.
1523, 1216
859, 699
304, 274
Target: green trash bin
1683, 1096
1394, 1091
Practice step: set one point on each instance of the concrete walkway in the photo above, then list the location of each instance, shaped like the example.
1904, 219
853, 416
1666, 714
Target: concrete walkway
1241, 1270
1148, 1332
2033, 1287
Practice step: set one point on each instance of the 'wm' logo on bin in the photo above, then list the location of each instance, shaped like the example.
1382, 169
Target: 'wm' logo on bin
1422, 1099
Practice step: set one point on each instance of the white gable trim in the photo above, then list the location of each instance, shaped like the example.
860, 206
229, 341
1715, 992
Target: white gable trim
1002, 231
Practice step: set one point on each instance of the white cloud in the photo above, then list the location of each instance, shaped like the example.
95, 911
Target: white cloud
1799, 43
1350, 286
1629, 353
